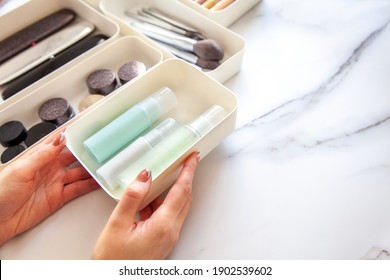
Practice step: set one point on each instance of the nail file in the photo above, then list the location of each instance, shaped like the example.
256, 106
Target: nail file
50, 65
34, 33
42, 51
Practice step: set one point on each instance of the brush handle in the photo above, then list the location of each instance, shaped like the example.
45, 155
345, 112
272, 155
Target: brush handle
189, 57
157, 14
144, 18
49, 66
34, 33
166, 37
44, 50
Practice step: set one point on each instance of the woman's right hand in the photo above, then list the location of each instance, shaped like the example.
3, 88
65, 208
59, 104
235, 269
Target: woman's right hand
155, 234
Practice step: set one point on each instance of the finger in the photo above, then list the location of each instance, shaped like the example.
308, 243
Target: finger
76, 189
50, 138
181, 191
187, 173
76, 174
42, 155
131, 199
183, 214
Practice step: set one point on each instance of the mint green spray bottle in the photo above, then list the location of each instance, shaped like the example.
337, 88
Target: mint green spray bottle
173, 146
129, 125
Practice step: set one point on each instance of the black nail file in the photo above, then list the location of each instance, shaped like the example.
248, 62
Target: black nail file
34, 33
49, 66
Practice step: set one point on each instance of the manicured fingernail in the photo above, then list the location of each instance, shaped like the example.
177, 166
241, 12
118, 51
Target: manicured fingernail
198, 156
144, 175
59, 139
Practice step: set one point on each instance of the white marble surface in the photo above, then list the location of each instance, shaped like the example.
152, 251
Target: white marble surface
306, 173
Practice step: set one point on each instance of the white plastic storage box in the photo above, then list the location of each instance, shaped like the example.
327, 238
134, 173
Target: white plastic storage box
35, 10
226, 16
233, 44
71, 84
195, 93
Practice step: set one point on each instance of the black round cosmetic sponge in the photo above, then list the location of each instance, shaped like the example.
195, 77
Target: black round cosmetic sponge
12, 133
11, 153
38, 131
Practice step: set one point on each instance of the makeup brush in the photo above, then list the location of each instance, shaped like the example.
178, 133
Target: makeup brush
146, 18
156, 22
151, 12
191, 58
206, 49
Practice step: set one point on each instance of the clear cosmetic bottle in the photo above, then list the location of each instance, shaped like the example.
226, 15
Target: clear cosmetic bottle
173, 146
108, 173
125, 128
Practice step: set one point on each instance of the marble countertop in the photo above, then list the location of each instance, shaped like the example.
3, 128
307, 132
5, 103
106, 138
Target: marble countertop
306, 174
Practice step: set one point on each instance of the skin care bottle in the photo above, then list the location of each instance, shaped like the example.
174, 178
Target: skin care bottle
173, 146
108, 173
125, 128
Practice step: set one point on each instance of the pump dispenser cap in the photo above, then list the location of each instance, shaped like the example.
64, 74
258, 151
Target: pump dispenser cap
208, 120
159, 103
162, 130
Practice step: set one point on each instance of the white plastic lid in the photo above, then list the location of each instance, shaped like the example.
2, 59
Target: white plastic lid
159, 103
162, 130
208, 120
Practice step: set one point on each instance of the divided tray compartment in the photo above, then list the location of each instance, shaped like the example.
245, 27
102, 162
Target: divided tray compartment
234, 45
226, 16
195, 91
35, 10
71, 84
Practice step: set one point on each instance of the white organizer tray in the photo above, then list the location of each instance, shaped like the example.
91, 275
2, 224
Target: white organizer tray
195, 91
71, 84
34, 10
233, 44
228, 15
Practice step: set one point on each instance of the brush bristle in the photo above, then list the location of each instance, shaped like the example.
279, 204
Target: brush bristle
207, 64
208, 49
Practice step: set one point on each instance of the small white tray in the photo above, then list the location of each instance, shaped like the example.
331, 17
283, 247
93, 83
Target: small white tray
34, 10
193, 99
71, 84
228, 15
233, 44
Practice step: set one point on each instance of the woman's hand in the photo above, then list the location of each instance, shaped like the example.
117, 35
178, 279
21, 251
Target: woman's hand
37, 184
156, 232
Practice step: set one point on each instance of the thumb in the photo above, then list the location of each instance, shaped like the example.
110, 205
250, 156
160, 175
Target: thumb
132, 197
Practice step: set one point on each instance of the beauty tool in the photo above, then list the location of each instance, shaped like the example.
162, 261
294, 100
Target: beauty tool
101, 81
130, 70
109, 172
173, 146
129, 125
191, 58
12, 133
145, 18
206, 49
34, 33
50, 65
154, 13
44, 50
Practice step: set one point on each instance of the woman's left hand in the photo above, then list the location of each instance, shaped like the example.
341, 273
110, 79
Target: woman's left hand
37, 184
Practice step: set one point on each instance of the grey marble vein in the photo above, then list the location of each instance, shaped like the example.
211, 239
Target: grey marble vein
349, 134
309, 99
